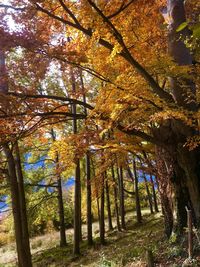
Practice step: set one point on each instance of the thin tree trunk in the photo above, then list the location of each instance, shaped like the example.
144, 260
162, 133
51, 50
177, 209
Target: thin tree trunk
102, 215
97, 194
76, 249
80, 203
116, 199
137, 198
110, 226
63, 241
148, 193
24, 220
154, 194
121, 197
99, 214
88, 176
89, 201
77, 186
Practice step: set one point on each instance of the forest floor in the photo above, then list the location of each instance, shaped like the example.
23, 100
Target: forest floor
127, 248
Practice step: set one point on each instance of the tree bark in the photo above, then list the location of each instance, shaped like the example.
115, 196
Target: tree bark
137, 197
88, 177
148, 193
102, 215
24, 257
63, 242
184, 181
76, 249
115, 199
16, 186
121, 196
24, 220
89, 201
110, 226
77, 186
154, 194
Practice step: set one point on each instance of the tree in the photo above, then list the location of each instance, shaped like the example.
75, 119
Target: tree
163, 113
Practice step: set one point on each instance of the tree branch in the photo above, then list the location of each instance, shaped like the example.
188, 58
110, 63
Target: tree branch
52, 97
122, 8
138, 133
69, 12
127, 55
129, 192
44, 114
42, 185
12, 7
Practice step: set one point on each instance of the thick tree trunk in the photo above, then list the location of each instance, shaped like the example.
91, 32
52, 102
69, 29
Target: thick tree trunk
183, 89
185, 95
173, 191
23, 252
184, 182
110, 226
16, 187
115, 199
188, 162
137, 197
24, 220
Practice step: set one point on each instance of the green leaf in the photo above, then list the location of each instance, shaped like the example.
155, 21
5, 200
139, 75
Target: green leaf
196, 31
182, 26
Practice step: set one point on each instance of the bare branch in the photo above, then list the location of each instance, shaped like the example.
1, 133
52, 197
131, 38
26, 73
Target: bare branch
12, 7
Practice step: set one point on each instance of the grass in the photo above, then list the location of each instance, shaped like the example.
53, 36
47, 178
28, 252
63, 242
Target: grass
127, 248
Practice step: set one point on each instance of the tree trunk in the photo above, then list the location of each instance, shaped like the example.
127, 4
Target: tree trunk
77, 210
24, 220
77, 186
16, 187
102, 218
116, 199
148, 193
137, 197
154, 194
174, 133
89, 202
63, 242
173, 191
110, 226
121, 197
185, 95
88, 175
24, 258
